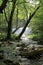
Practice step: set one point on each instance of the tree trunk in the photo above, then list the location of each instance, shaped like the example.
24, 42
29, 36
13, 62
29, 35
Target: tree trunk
10, 21
28, 21
3, 5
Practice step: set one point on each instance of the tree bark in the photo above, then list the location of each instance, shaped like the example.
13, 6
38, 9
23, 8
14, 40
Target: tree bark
3, 5
10, 21
28, 21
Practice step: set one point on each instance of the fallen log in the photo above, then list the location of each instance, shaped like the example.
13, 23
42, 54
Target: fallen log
32, 55
30, 52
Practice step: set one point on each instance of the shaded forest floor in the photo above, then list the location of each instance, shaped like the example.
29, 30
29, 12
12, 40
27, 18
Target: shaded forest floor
13, 52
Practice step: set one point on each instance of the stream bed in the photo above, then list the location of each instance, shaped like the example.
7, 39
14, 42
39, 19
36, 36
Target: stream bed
10, 54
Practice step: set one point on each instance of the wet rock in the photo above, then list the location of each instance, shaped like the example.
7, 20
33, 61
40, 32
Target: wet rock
21, 45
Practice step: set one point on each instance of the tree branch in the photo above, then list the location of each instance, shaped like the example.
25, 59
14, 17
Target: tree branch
28, 21
3, 5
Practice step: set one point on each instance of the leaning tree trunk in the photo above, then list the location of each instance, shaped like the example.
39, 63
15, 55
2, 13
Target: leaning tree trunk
10, 21
28, 21
3, 5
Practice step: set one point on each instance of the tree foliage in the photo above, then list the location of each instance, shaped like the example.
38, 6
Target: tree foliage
24, 7
37, 25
